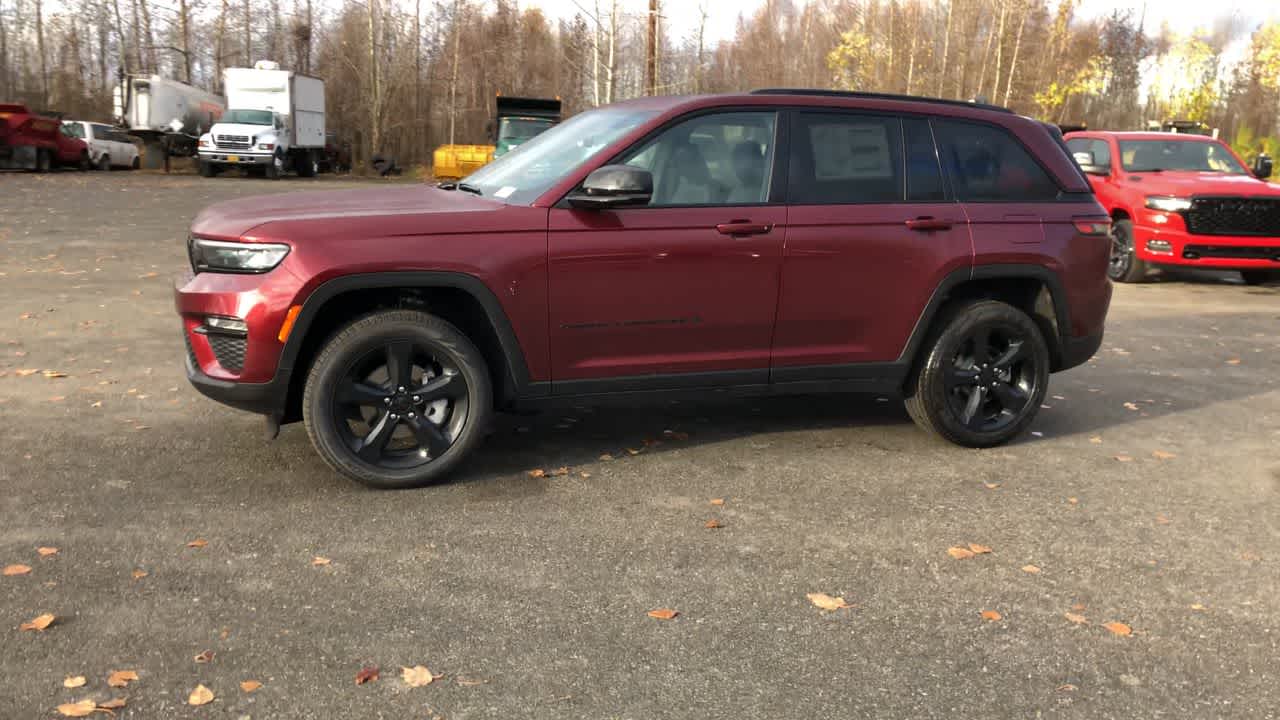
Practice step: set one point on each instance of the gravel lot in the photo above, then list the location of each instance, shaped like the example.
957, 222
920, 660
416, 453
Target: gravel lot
1147, 495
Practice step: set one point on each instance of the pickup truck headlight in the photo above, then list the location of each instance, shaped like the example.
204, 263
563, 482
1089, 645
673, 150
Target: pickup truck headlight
266, 146
233, 257
1167, 203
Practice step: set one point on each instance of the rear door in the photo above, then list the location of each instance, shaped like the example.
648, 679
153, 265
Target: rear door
871, 231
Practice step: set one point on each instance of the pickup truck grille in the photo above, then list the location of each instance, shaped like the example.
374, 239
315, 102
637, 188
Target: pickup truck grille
232, 142
1234, 216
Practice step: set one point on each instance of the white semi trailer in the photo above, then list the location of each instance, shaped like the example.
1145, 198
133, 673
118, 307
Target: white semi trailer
168, 115
274, 121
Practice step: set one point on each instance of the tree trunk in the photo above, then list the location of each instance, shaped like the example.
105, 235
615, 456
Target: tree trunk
453, 73
595, 57
248, 35
419, 116
613, 45
184, 28
1013, 61
5, 89
986, 55
220, 47
148, 39
375, 95
44, 65
946, 47
995, 86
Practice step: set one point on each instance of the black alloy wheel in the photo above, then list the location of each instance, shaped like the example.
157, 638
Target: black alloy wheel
991, 379
1124, 265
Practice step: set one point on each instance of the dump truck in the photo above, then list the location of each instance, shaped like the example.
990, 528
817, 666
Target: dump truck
168, 116
274, 121
37, 141
515, 121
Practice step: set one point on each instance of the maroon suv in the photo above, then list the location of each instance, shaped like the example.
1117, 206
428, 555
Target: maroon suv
773, 242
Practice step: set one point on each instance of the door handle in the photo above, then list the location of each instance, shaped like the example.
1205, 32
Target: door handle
928, 224
743, 227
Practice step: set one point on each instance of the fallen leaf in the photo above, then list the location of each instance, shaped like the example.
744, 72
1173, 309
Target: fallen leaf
1118, 628
1233, 361
367, 674
584, 474
110, 705
1030, 569
38, 623
1073, 501
1197, 606
250, 685
1077, 619
416, 676
1130, 406
1078, 607
320, 560
559, 472
47, 551
1162, 455
979, 549
1124, 458
84, 708
121, 678
1162, 519
74, 682
139, 573
470, 682
204, 657
606, 457
991, 615
713, 524
1096, 439
53, 374
959, 553
717, 501
990, 486
632, 451
538, 473
24, 372
198, 543
200, 696
826, 602
663, 614
16, 570
1066, 687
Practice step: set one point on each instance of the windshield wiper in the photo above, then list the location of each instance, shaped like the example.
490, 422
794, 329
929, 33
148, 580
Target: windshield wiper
470, 188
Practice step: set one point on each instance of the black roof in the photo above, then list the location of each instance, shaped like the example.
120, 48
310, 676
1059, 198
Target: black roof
878, 96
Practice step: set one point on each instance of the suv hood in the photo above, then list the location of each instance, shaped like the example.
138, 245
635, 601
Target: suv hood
1186, 184
351, 208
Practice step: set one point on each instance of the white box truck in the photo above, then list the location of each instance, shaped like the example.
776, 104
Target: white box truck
274, 121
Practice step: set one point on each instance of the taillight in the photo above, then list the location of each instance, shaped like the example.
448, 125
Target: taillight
1093, 227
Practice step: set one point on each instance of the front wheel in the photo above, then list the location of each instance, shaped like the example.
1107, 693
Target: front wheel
984, 377
1125, 265
84, 163
275, 168
1258, 277
397, 399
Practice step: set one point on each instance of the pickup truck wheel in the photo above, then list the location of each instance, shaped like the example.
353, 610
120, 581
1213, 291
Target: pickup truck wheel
984, 377
1259, 277
1125, 266
397, 399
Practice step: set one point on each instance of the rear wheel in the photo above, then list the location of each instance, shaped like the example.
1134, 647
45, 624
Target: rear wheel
104, 162
84, 163
1259, 277
984, 377
137, 163
307, 164
397, 399
1125, 265
44, 162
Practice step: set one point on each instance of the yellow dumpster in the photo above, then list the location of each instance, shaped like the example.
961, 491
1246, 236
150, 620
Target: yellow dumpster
451, 162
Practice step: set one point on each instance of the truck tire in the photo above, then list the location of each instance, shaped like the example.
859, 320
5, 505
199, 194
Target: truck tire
84, 163
44, 162
207, 169
1125, 266
137, 163
275, 168
104, 163
307, 164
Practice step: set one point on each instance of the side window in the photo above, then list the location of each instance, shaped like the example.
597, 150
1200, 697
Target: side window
102, 132
1100, 148
924, 175
839, 158
987, 164
720, 159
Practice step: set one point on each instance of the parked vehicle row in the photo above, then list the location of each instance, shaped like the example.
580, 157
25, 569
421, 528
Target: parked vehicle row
31, 141
766, 243
108, 147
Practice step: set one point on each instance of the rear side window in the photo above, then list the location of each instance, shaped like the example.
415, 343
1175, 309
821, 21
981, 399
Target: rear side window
987, 164
839, 158
924, 175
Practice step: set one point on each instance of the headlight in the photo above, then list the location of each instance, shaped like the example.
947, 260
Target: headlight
216, 256
1166, 203
266, 146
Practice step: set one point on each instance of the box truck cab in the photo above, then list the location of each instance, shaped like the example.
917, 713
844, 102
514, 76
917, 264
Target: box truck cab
274, 121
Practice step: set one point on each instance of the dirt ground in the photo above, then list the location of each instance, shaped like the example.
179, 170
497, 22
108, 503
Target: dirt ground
1146, 495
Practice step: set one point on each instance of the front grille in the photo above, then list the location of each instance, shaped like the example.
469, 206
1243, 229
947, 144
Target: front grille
232, 142
191, 352
1234, 252
229, 351
1234, 216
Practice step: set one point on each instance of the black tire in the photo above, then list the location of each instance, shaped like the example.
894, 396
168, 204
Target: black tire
104, 163
84, 164
360, 359
1124, 265
136, 164
207, 169
273, 169
307, 164
1259, 277
44, 163
1009, 382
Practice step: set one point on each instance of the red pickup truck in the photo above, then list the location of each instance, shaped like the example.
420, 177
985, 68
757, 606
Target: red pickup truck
1182, 200
29, 141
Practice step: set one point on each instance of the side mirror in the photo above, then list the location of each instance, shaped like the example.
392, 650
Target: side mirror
1262, 166
614, 186
1085, 160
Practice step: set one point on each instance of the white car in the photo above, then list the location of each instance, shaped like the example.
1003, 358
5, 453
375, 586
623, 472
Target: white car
108, 147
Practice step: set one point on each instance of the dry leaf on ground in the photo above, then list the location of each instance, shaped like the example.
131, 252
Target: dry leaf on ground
1030, 569
663, 614
979, 549
1096, 439
204, 656
416, 676
991, 615
16, 570
1118, 628
115, 704
47, 551
1162, 455
250, 685
713, 524
74, 682
139, 573
320, 560
1233, 361
84, 708
990, 485
717, 501
826, 602
1124, 458
537, 473
1162, 519
1077, 619
367, 674
559, 472
38, 623
959, 553
200, 696
1130, 406
121, 678
198, 543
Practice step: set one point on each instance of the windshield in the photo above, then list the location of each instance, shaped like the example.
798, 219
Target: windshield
523, 174
247, 117
1190, 155
521, 128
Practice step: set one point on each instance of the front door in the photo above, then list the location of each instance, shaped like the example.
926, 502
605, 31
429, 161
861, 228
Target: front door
682, 292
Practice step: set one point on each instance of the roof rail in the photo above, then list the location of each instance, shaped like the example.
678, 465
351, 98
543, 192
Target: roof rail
878, 96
